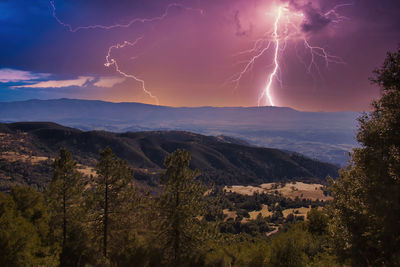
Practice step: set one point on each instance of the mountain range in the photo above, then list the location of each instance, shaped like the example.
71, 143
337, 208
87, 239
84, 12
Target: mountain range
326, 136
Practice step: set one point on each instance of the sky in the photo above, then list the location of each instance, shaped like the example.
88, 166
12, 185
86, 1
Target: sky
312, 55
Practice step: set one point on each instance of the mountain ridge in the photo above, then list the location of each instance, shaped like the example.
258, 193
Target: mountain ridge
220, 162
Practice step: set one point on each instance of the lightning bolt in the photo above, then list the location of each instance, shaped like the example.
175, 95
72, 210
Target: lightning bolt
284, 30
267, 90
110, 61
126, 25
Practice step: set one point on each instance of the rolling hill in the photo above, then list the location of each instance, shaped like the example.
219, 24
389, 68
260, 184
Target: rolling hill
28, 147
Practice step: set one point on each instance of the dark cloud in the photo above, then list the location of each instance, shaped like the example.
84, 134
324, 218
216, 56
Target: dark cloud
315, 20
383, 14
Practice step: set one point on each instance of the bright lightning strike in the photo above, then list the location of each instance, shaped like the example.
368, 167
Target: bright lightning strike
287, 27
276, 63
110, 61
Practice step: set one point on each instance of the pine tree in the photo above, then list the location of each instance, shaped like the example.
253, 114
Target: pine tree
24, 229
113, 200
181, 205
65, 199
366, 205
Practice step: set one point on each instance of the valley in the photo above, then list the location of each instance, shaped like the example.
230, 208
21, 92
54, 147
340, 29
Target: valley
326, 136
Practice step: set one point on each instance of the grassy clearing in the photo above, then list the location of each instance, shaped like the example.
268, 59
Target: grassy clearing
264, 213
14, 156
244, 190
289, 190
86, 170
229, 214
298, 212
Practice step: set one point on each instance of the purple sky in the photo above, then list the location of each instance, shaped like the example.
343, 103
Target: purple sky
189, 52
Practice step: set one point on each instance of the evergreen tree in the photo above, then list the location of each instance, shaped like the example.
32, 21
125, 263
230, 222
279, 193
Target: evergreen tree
366, 205
289, 249
181, 205
32, 206
113, 200
18, 239
317, 222
24, 230
65, 199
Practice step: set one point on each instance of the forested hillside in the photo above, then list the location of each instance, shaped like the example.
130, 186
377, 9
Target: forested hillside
222, 161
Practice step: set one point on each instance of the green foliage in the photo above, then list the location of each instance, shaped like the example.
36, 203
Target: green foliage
112, 201
104, 222
317, 222
181, 205
289, 249
24, 230
294, 245
237, 250
302, 244
260, 226
32, 207
366, 205
65, 199
17, 236
254, 202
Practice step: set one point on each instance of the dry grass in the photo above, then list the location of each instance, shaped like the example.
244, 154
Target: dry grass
264, 213
13, 142
11, 156
302, 190
298, 212
86, 170
244, 190
289, 190
229, 214
14, 156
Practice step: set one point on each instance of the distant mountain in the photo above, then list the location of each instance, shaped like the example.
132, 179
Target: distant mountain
221, 162
327, 136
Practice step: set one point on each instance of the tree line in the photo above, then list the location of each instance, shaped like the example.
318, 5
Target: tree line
103, 220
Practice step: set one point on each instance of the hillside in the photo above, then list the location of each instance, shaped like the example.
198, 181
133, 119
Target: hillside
28, 147
327, 136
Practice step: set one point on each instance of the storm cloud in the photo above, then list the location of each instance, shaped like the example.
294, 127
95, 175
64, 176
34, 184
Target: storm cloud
314, 18
186, 58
